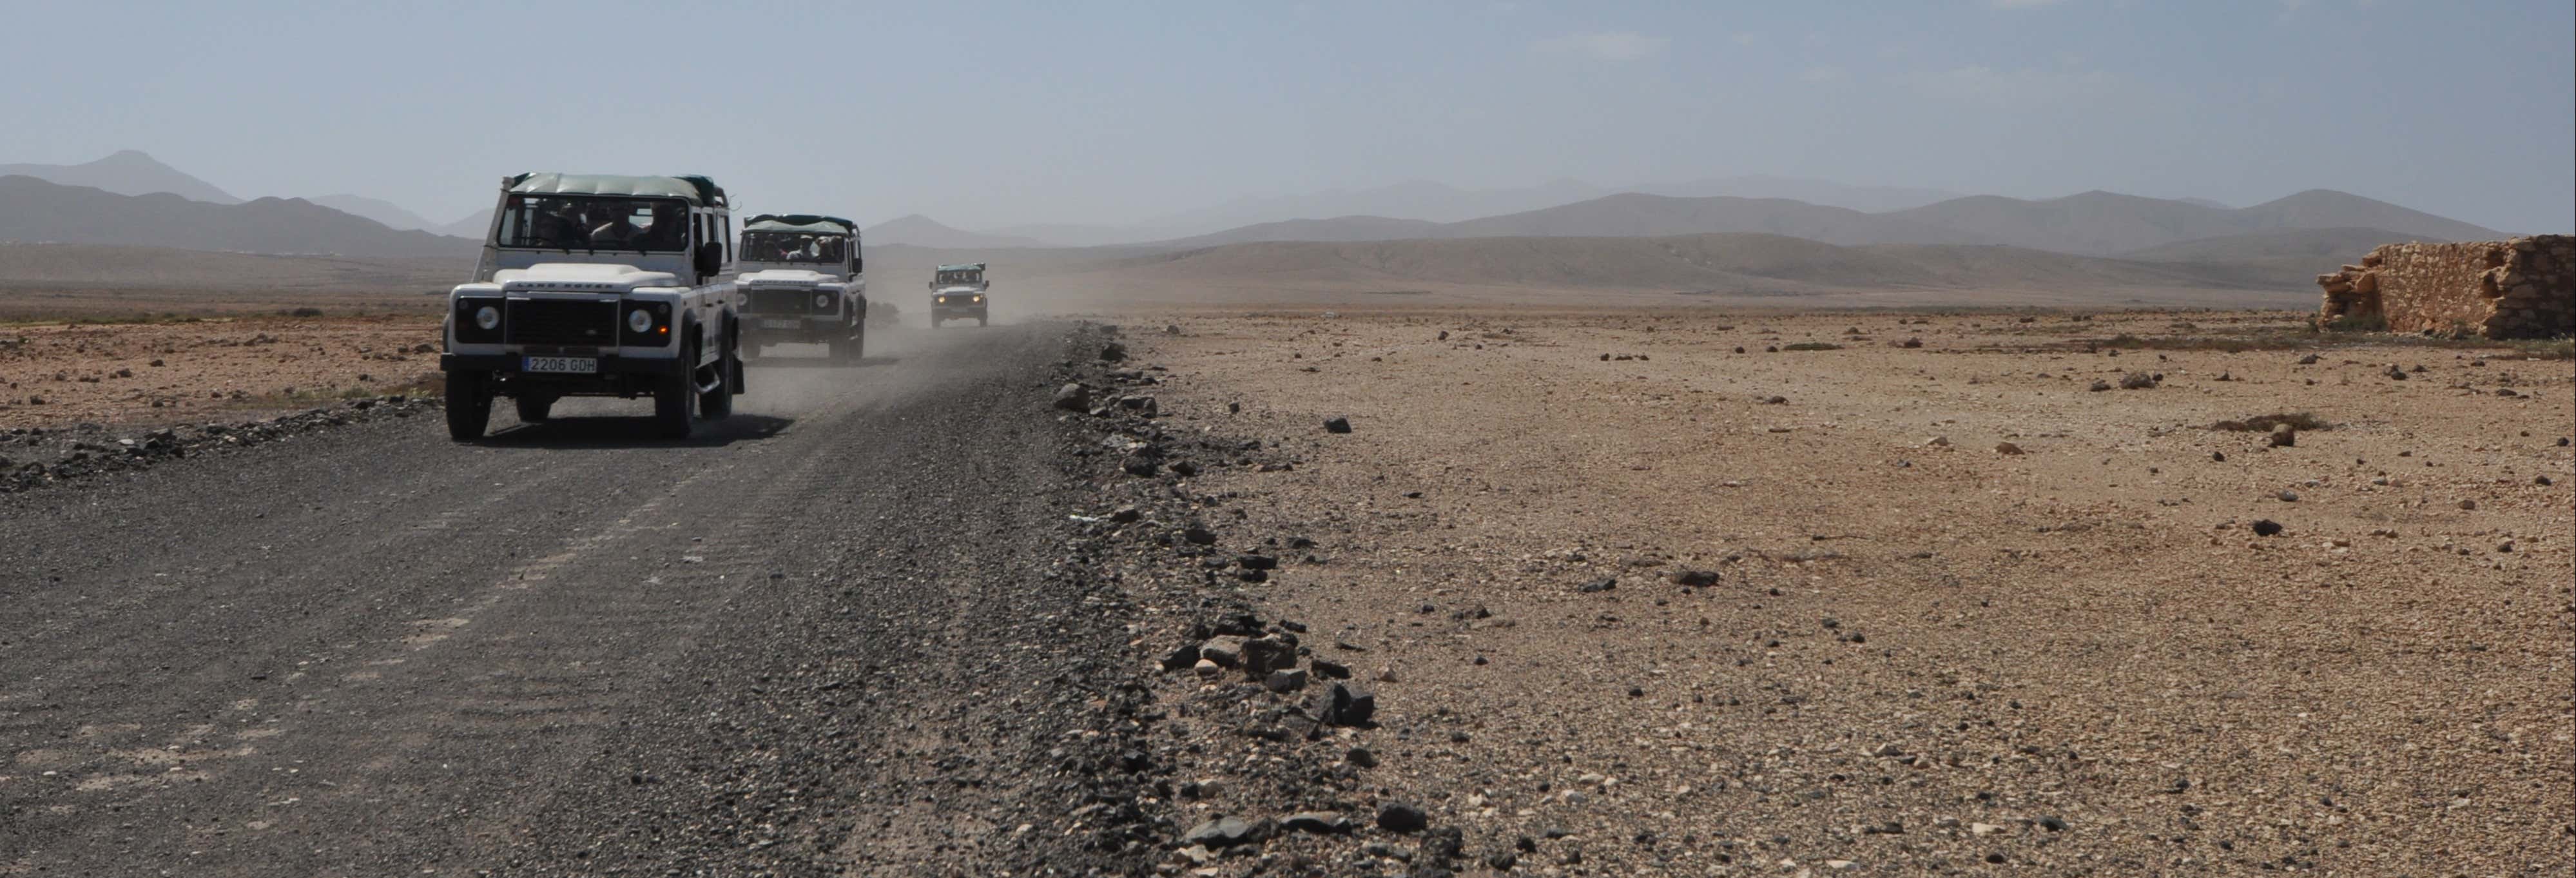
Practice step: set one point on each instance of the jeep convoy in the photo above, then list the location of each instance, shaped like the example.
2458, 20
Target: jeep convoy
802, 281
957, 292
594, 285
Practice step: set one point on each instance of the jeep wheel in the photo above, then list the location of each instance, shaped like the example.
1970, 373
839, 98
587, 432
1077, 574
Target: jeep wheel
675, 402
469, 405
934, 323
849, 349
533, 407
717, 404
981, 320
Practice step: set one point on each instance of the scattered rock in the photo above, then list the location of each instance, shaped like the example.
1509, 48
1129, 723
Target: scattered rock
1401, 817
2267, 528
1113, 352
1285, 680
2138, 381
1317, 822
1224, 832
1342, 707
1262, 655
1694, 578
2288, 496
2284, 436
1602, 584
1337, 425
1224, 651
2007, 448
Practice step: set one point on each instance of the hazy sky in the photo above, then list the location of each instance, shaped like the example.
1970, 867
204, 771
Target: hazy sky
987, 114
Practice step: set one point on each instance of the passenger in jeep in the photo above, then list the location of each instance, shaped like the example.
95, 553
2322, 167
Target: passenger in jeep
614, 230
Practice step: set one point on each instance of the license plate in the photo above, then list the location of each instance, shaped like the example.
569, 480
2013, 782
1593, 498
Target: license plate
778, 324
564, 365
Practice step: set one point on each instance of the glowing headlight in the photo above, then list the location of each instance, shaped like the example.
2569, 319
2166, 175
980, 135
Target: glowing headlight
487, 317
822, 301
639, 320
979, 299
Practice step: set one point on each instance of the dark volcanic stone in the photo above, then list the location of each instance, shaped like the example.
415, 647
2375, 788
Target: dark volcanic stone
1263, 655
1343, 707
1401, 817
1695, 578
1337, 425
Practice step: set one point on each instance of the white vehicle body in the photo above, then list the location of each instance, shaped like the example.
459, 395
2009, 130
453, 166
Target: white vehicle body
803, 281
957, 292
626, 310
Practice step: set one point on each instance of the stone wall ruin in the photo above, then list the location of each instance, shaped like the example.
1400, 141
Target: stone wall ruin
2522, 288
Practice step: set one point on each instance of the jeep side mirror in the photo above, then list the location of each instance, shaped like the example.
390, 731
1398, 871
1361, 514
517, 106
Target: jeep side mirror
710, 258
858, 264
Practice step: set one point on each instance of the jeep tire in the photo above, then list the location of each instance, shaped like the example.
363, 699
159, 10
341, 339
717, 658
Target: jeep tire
717, 404
469, 405
675, 400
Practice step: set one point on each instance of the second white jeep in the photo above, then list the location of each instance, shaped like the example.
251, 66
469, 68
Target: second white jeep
803, 280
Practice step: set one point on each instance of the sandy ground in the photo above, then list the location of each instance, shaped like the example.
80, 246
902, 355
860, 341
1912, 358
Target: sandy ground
1920, 654
54, 373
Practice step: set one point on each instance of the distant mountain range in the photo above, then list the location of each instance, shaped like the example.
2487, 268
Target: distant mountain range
131, 199
33, 211
2092, 224
127, 172
915, 230
1441, 203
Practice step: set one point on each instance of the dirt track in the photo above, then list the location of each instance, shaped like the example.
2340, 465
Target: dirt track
839, 629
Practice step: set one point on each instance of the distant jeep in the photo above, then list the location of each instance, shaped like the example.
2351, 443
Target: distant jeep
957, 292
802, 281
595, 285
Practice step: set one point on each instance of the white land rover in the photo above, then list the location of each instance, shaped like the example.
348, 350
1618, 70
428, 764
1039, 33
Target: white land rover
803, 280
596, 285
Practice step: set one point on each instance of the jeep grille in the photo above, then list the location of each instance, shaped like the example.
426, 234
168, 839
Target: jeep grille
570, 322
798, 301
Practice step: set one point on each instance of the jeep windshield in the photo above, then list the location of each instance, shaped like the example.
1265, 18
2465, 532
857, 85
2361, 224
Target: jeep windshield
577, 222
801, 247
960, 278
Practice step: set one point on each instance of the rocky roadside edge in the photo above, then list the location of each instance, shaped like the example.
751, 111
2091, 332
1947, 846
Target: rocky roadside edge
39, 457
1258, 751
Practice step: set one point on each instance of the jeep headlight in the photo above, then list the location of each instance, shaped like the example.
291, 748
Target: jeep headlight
487, 317
979, 300
822, 301
639, 320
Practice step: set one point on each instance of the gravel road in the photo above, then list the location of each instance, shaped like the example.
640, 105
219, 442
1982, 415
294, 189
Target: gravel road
836, 634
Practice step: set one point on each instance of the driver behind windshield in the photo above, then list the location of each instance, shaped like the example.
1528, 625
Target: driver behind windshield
611, 228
